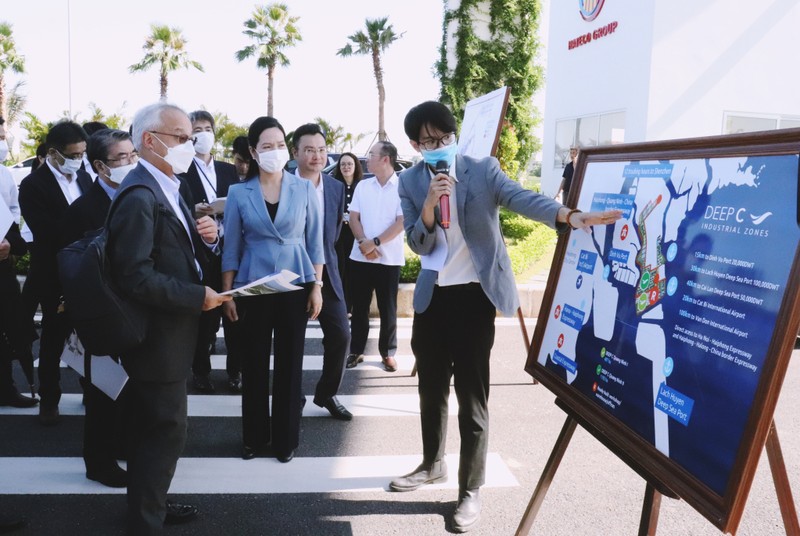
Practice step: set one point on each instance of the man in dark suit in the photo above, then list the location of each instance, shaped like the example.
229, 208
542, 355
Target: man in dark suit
308, 144
163, 272
44, 196
112, 157
209, 179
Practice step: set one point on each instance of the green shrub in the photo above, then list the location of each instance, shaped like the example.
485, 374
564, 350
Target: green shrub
526, 251
514, 226
409, 272
23, 263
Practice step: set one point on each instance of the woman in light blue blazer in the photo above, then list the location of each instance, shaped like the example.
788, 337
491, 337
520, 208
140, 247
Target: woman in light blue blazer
272, 223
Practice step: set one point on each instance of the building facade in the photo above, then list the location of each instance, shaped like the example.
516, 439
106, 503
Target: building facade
632, 70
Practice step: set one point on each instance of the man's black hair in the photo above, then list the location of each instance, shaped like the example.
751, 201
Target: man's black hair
100, 143
93, 126
240, 147
388, 149
432, 113
63, 134
202, 115
309, 129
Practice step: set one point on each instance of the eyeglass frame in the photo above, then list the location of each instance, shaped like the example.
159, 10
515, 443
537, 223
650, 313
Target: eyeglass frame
434, 143
182, 138
311, 151
131, 158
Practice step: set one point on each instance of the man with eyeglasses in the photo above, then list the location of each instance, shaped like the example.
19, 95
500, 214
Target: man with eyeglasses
112, 157
310, 152
157, 254
466, 278
208, 180
44, 196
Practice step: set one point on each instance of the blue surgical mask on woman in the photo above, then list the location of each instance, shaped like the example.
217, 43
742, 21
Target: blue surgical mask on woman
446, 153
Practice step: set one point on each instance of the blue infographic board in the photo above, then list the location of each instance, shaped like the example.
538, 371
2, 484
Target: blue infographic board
664, 319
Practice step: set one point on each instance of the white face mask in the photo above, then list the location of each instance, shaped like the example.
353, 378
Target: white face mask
272, 161
116, 174
179, 157
70, 166
3, 150
204, 141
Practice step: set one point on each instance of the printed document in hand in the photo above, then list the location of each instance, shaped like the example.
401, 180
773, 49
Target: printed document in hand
436, 258
218, 205
6, 218
107, 374
271, 284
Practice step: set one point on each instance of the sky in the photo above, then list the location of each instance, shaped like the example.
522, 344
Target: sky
106, 37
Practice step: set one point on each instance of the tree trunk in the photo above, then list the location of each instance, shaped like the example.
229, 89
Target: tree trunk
376, 65
163, 81
2, 95
270, 87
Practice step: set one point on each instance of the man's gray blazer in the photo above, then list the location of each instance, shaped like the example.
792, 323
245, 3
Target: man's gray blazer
481, 190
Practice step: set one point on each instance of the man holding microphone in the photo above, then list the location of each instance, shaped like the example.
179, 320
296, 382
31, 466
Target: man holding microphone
466, 277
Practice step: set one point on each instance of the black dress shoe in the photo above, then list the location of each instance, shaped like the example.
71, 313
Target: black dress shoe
248, 453
353, 360
235, 384
337, 410
49, 415
468, 510
285, 458
16, 400
203, 385
179, 513
113, 477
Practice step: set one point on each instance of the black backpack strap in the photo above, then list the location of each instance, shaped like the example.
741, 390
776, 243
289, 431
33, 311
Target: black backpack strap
157, 218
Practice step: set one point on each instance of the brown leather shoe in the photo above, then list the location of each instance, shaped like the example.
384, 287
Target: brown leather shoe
422, 475
389, 364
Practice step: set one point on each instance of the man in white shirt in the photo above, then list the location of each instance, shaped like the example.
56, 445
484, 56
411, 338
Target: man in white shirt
8, 188
376, 219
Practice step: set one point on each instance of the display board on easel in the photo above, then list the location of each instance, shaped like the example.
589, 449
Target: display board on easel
482, 124
668, 334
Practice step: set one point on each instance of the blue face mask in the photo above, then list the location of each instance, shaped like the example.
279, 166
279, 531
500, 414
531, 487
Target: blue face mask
446, 153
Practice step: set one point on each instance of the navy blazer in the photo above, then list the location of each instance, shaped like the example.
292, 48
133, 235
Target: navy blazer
226, 177
43, 206
255, 246
482, 188
167, 283
332, 227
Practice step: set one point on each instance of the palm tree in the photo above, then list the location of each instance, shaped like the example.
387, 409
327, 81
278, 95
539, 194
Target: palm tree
273, 31
374, 42
9, 59
166, 47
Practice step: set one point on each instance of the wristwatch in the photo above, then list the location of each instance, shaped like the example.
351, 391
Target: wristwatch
318, 282
377, 241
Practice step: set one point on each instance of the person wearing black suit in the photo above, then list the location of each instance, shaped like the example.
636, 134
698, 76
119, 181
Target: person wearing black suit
44, 196
208, 180
112, 157
311, 155
163, 272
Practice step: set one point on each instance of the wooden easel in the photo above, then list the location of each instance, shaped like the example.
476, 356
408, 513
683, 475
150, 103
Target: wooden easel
653, 492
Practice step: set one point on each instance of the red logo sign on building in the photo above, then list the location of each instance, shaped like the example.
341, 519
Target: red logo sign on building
590, 9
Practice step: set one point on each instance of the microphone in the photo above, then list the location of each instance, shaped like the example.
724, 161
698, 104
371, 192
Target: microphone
444, 201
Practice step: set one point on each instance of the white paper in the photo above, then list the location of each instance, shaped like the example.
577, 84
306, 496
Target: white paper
435, 259
6, 218
271, 284
107, 374
218, 205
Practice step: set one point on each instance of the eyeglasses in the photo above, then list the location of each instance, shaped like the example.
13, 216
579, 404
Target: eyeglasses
430, 144
125, 159
73, 156
182, 138
310, 151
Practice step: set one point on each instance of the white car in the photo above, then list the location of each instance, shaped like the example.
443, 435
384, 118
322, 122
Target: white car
21, 169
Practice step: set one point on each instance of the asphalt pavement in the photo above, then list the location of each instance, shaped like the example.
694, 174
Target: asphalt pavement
337, 484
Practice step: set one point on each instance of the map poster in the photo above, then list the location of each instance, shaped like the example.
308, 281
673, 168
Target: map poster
664, 322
